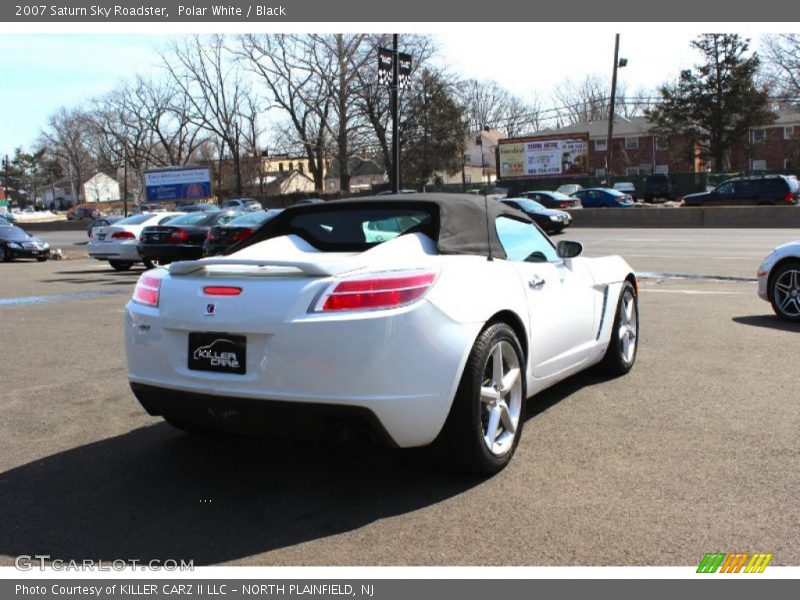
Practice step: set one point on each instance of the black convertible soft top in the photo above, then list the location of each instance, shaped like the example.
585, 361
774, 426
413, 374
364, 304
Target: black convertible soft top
458, 222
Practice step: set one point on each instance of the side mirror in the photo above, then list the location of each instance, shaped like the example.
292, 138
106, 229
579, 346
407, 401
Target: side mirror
567, 249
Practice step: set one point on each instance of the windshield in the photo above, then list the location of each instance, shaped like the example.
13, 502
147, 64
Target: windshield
135, 219
13, 233
358, 229
528, 205
253, 219
194, 218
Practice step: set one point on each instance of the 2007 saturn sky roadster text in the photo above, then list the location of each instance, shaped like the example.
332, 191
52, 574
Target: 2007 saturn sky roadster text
419, 320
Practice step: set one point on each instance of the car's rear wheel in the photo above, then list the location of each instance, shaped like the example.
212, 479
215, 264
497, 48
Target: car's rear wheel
485, 422
120, 265
152, 263
621, 351
41, 258
784, 291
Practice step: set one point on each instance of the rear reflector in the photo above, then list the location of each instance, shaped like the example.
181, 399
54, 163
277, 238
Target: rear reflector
147, 290
378, 291
122, 235
222, 290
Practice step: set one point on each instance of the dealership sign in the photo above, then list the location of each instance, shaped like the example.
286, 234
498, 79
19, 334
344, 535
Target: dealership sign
544, 156
177, 184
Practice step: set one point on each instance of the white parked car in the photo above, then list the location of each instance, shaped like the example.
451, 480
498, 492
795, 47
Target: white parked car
779, 280
242, 204
118, 243
626, 187
419, 319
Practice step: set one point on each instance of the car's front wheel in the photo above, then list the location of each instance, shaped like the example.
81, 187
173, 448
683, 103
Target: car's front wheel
485, 422
621, 351
5, 255
784, 291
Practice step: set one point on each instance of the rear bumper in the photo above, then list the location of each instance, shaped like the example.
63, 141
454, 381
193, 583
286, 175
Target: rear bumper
402, 367
125, 251
170, 251
246, 415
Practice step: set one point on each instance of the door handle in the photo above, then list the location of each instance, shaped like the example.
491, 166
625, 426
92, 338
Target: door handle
537, 282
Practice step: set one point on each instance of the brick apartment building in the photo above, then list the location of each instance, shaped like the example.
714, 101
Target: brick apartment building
636, 150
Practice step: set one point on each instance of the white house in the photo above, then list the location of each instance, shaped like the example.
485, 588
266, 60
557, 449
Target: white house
100, 188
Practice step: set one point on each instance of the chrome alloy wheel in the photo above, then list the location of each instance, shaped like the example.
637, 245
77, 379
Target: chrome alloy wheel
501, 398
786, 291
628, 330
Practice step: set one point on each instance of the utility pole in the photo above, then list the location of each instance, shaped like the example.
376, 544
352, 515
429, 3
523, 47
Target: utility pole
395, 117
125, 183
5, 180
611, 112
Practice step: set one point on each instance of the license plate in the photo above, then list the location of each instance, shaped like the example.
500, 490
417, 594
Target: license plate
218, 352
101, 236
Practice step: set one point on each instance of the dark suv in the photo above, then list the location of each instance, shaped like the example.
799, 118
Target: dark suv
743, 191
657, 186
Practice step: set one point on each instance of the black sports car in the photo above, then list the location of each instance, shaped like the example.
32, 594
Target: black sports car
221, 237
16, 243
182, 238
550, 220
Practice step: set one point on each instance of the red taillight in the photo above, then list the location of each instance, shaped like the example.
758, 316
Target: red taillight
122, 235
147, 290
563, 204
178, 235
211, 236
242, 234
384, 291
222, 290
789, 197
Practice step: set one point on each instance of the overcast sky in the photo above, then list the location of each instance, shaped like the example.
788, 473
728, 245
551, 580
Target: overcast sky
41, 72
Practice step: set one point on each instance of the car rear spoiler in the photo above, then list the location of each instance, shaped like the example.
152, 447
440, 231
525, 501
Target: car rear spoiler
310, 269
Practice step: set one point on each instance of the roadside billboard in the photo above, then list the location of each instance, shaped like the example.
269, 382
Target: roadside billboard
543, 156
189, 183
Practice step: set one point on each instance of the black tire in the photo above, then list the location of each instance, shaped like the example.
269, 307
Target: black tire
151, 263
41, 258
618, 359
463, 436
5, 255
187, 426
784, 291
120, 265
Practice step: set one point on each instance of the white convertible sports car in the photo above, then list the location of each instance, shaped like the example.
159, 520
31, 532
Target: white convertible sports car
421, 319
779, 280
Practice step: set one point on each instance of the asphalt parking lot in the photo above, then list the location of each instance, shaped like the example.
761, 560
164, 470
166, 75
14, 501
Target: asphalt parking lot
696, 450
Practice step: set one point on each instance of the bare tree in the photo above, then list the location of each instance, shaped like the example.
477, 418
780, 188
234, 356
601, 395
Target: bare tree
284, 67
65, 135
583, 101
167, 111
372, 101
337, 59
215, 89
782, 67
522, 117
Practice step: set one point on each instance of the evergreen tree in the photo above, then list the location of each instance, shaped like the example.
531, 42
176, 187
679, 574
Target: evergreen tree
714, 106
435, 132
